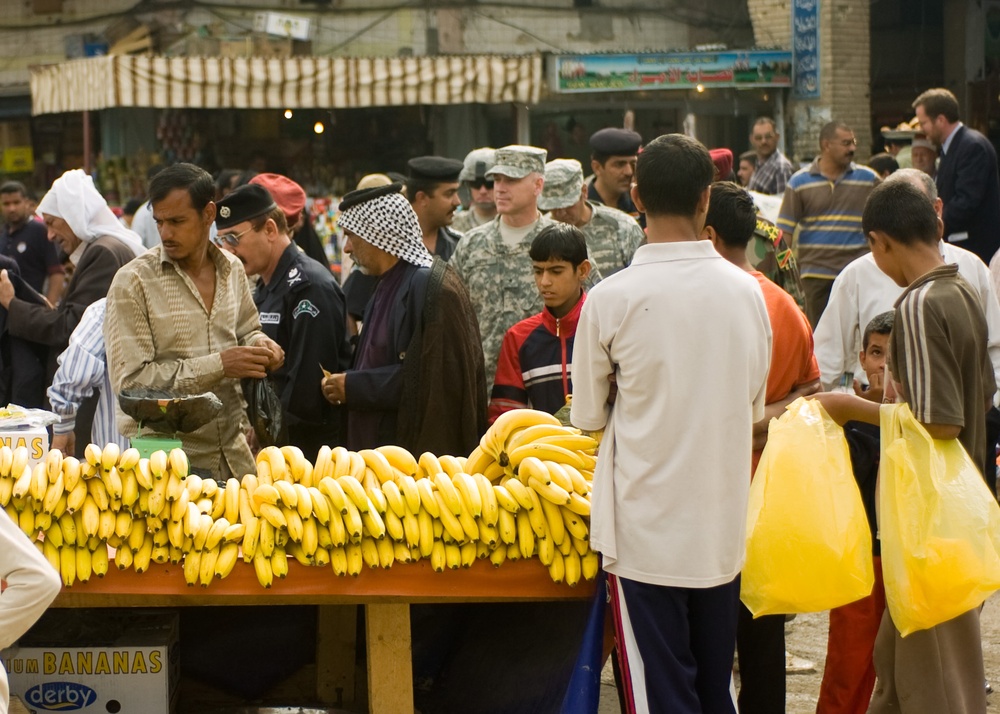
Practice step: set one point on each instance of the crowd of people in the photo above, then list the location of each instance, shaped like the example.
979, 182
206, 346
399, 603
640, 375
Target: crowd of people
645, 295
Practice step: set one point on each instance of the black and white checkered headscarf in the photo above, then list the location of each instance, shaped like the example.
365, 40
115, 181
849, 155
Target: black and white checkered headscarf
387, 221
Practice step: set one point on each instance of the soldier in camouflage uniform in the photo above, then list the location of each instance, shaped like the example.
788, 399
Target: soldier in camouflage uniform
612, 235
493, 259
481, 208
770, 254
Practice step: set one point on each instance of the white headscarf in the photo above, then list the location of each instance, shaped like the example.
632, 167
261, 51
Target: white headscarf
388, 222
74, 198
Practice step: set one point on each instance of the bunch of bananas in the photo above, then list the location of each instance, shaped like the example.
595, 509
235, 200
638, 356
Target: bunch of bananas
524, 491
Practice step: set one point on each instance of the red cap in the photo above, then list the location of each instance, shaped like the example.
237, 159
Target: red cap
722, 158
290, 197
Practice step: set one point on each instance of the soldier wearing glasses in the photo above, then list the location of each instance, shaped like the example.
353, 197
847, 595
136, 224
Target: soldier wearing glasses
301, 308
481, 209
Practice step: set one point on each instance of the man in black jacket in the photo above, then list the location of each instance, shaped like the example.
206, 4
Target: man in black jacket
967, 179
418, 379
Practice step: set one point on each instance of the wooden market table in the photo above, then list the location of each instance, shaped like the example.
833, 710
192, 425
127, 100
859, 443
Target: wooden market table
386, 595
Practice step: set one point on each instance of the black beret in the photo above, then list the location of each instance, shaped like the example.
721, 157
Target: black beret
363, 195
615, 142
243, 204
435, 168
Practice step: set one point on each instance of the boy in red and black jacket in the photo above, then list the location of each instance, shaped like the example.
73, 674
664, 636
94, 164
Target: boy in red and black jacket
537, 353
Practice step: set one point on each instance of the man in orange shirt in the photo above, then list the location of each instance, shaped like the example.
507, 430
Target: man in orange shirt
730, 224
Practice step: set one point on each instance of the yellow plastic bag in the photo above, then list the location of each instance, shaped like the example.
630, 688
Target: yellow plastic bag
939, 526
809, 547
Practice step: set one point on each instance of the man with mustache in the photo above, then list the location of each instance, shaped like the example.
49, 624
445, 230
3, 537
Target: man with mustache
432, 189
825, 202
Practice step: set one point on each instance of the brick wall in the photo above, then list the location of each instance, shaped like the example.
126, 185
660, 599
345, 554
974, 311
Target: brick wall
844, 70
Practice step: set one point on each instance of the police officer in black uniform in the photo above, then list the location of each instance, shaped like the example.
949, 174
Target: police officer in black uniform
613, 156
301, 308
432, 190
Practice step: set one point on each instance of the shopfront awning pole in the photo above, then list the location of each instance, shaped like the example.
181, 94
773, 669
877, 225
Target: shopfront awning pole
523, 124
86, 141
779, 117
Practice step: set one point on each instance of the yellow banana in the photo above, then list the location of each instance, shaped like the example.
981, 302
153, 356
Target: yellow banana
279, 563
341, 467
560, 476
438, 559
266, 538
130, 488
448, 493
6, 460
262, 568
426, 526
549, 492
545, 452
293, 524
525, 535
411, 530
336, 530
99, 561
426, 489
67, 565
369, 552
26, 521
323, 463
192, 484
579, 505
354, 491
143, 556
332, 489
467, 554
226, 560
157, 464
386, 553
402, 553
411, 494
449, 520
338, 560
488, 499
216, 532
575, 525
557, 570
495, 439
267, 493
234, 533
554, 519
106, 525
393, 525
357, 465
129, 459
394, 498
19, 460
487, 533
505, 500
452, 556
582, 547
450, 465
377, 462
546, 551
571, 442
590, 563
273, 515
507, 527
109, 456
124, 558
67, 524
53, 464
520, 492
536, 516
22, 483
251, 537
469, 525
71, 471
498, 556
304, 504
374, 523
53, 493
178, 463
478, 461
310, 536
428, 465
174, 486
132, 532
399, 458
353, 522
354, 558
469, 492
373, 490
536, 432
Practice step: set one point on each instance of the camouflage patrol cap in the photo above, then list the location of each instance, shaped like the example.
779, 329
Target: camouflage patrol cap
477, 163
516, 161
563, 184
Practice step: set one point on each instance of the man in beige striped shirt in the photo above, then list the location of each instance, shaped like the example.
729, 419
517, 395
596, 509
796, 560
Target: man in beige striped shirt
181, 317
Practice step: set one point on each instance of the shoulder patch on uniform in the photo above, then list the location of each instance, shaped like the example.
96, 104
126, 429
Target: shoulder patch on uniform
294, 276
270, 318
305, 306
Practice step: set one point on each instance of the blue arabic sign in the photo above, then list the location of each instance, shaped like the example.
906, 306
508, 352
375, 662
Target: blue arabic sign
805, 48
672, 70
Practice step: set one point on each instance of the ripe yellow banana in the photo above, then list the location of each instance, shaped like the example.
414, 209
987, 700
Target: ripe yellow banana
286, 493
572, 567
507, 527
304, 504
216, 533
67, 565
332, 489
557, 570
386, 553
123, 558
452, 556
498, 556
99, 561
352, 521
472, 501
546, 551
53, 493
538, 432
579, 505
354, 491
6, 460
536, 516
341, 467
143, 556
157, 464
450, 464
293, 524
338, 560
262, 568
266, 538
279, 563
428, 465
399, 458
448, 493
394, 498
377, 462
357, 465
226, 560
251, 537
373, 523
525, 535
411, 530
53, 464
393, 526
520, 492
373, 490
320, 505
411, 494
575, 524
467, 554
495, 438
572, 442
354, 558
426, 489
337, 530
106, 522
449, 520
545, 452
178, 463
549, 492
554, 520
438, 559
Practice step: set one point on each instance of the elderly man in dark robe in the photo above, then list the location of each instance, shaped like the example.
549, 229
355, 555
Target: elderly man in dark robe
418, 379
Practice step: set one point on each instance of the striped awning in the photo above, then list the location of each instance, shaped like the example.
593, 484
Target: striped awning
294, 82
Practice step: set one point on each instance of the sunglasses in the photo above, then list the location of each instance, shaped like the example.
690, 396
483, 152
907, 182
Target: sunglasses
233, 239
479, 183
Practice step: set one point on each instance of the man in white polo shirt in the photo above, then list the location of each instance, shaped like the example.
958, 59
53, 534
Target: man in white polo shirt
686, 337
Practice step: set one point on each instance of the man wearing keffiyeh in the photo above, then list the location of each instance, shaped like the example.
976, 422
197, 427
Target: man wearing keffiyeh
418, 378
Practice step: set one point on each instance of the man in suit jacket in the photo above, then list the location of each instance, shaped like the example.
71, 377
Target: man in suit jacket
967, 177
